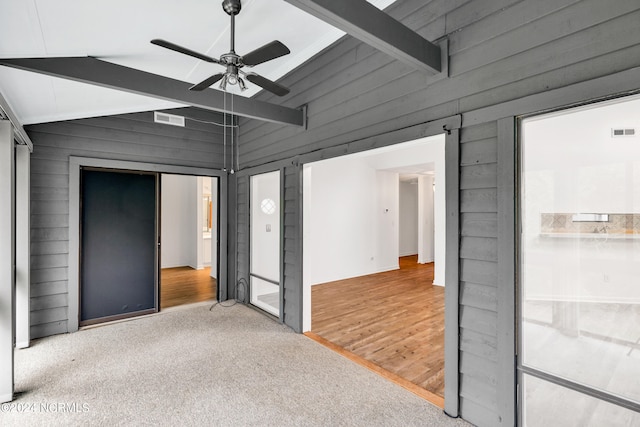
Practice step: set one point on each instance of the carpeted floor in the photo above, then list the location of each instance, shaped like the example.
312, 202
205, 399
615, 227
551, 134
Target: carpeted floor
191, 366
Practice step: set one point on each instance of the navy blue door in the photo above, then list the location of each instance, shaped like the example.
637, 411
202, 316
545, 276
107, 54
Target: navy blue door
119, 244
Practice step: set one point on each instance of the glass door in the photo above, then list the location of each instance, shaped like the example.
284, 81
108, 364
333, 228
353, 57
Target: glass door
579, 309
265, 242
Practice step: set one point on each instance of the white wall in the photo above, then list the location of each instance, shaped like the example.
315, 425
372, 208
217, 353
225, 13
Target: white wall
386, 230
405, 158
408, 218
179, 212
351, 213
573, 165
426, 222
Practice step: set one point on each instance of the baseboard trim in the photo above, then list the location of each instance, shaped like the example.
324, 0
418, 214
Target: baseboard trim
406, 384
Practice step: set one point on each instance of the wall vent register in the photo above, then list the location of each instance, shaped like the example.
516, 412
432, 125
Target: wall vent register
621, 132
168, 119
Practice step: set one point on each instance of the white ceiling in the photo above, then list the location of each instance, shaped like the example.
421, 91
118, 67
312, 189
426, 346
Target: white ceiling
119, 31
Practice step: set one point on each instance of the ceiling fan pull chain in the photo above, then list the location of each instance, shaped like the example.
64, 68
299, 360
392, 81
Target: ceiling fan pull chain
232, 139
224, 131
234, 121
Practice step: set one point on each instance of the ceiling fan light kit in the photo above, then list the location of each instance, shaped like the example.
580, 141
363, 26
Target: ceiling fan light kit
234, 62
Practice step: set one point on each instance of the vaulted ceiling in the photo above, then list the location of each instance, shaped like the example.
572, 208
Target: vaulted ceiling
119, 31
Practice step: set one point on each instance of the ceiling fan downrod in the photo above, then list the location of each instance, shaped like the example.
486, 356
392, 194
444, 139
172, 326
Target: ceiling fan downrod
232, 7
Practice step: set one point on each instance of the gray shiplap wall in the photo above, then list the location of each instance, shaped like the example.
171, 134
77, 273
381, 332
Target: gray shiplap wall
243, 236
292, 268
130, 137
478, 272
500, 51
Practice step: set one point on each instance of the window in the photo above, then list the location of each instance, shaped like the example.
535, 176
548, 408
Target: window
580, 267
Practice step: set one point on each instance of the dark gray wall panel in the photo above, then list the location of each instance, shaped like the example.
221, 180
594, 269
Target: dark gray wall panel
479, 224
500, 52
292, 249
499, 48
131, 137
479, 296
243, 236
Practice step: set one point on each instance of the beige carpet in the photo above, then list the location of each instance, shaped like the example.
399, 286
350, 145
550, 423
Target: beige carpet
225, 367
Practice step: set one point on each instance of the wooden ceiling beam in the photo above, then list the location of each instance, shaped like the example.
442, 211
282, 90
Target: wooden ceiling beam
365, 22
101, 73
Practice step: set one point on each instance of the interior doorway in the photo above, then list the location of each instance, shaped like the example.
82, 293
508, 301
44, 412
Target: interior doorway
76, 166
417, 214
359, 292
189, 239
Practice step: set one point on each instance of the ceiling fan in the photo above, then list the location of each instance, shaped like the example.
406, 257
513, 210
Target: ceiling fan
234, 62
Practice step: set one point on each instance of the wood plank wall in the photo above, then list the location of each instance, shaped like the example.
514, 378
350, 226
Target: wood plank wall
130, 137
243, 237
292, 268
500, 51
478, 272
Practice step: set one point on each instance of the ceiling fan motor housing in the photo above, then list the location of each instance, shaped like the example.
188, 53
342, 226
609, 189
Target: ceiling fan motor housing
234, 62
232, 7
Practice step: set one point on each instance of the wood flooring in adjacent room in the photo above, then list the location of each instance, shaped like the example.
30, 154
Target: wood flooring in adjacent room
393, 319
185, 285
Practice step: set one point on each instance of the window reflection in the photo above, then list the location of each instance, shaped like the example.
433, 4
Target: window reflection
580, 255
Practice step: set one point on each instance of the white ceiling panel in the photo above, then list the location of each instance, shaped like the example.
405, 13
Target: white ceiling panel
119, 31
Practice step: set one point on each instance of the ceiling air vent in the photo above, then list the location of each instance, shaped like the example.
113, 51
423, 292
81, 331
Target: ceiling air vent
168, 119
622, 132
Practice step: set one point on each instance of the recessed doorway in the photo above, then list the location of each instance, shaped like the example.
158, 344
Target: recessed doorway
360, 294
189, 237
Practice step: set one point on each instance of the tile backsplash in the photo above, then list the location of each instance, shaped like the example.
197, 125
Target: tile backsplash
563, 223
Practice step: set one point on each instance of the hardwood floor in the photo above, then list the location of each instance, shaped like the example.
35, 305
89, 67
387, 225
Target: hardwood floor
393, 319
184, 285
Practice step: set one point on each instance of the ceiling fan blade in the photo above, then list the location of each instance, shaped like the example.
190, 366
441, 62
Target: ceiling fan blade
269, 51
267, 84
184, 50
207, 82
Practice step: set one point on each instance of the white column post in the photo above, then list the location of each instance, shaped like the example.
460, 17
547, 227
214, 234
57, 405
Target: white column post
7, 260
426, 238
23, 239
199, 219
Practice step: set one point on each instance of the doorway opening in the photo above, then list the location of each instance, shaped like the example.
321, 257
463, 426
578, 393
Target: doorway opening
579, 303
374, 287
189, 239
77, 165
